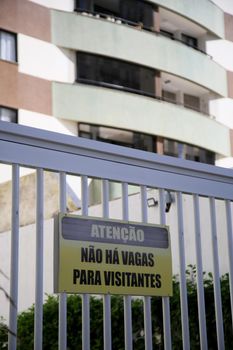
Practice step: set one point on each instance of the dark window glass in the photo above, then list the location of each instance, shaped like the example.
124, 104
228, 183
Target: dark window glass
8, 114
189, 40
115, 73
8, 46
84, 5
189, 152
145, 142
170, 148
137, 12
105, 11
118, 137
192, 102
167, 34
133, 11
209, 158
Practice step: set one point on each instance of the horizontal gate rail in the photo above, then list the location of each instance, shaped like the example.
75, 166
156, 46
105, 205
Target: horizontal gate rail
56, 152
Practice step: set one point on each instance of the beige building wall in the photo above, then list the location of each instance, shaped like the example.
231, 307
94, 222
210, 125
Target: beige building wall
19, 90
26, 17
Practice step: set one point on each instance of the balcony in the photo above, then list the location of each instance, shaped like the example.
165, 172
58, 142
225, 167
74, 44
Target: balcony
142, 26
103, 37
203, 12
120, 109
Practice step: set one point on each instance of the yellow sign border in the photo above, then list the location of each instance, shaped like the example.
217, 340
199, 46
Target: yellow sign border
133, 279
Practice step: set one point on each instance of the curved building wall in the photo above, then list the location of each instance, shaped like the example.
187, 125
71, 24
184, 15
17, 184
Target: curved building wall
203, 12
132, 45
124, 110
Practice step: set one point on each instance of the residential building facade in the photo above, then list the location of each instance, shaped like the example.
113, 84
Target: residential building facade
151, 75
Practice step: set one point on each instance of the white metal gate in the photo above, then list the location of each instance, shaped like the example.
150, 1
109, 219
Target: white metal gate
42, 150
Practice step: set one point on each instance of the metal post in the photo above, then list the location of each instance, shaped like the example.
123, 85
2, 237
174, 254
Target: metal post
85, 297
183, 287
165, 300
12, 337
127, 298
216, 275
200, 287
62, 296
230, 250
38, 323
147, 300
107, 298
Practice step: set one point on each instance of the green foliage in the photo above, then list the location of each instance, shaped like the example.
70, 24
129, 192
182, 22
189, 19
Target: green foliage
3, 335
74, 319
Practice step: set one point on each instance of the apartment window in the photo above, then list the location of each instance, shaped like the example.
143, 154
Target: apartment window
189, 152
145, 142
192, 102
8, 46
108, 72
118, 137
169, 96
8, 114
170, 148
190, 41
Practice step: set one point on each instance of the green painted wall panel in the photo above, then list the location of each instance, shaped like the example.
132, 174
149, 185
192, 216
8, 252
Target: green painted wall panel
129, 111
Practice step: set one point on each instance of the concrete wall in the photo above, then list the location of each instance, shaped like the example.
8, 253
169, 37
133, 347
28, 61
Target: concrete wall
46, 122
18, 90
222, 52
158, 52
26, 17
27, 195
142, 114
203, 12
44, 60
64, 5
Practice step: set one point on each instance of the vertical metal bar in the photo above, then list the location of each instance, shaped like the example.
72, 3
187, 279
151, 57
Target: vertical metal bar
147, 300
200, 287
62, 297
216, 275
127, 298
85, 297
12, 337
38, 323
107, 298
230, 250
183, 287
165, 300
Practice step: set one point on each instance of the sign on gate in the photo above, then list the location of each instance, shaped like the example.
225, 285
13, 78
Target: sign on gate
101, 256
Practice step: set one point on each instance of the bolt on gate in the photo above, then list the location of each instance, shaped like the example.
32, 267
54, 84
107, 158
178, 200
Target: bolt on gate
191, 185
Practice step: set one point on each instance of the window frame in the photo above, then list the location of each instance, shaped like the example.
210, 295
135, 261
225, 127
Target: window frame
2, 30
12, 109
97, 136
132, 69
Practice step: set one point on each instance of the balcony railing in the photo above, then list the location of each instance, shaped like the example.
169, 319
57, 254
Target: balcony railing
136, 25
141, 92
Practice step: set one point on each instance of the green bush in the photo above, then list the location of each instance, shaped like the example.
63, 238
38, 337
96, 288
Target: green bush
74, 320
3, 335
